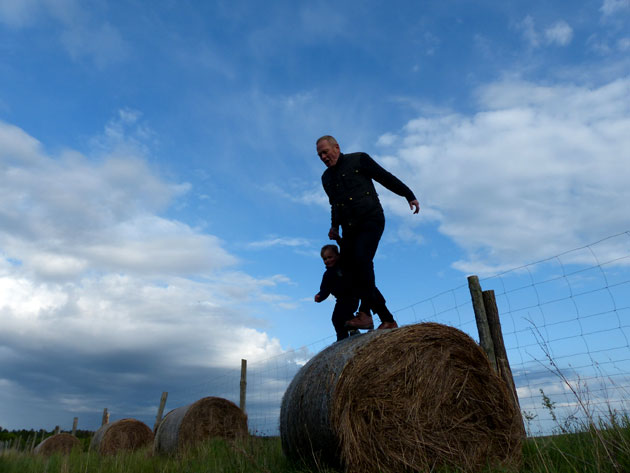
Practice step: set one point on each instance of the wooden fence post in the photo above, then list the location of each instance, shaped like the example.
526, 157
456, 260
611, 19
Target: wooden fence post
75, 423
492, 312
160, 411
105, 417
485, 339
243, 384
503, 364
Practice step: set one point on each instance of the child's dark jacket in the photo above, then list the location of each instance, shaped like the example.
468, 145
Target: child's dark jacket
336, 281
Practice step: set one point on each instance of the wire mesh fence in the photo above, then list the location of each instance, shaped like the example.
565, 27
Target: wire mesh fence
566, 326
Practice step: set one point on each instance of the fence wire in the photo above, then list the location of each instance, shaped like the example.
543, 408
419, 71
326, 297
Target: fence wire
566, 326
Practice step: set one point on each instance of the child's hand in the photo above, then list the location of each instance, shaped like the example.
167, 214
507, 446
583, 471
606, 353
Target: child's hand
318, 298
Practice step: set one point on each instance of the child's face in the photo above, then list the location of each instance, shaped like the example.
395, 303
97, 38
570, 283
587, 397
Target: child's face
330, 258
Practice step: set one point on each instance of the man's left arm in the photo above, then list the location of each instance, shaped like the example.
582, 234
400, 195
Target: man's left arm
389, 181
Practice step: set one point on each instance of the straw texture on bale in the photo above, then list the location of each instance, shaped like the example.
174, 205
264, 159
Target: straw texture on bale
58, 443
208, 417
410, 399
124, 434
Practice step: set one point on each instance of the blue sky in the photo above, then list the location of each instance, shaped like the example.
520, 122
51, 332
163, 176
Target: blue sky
161, 210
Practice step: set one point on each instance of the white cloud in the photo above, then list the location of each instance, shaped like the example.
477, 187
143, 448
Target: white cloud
537, 170
387, 139
529, 31
103, 43
116, 313
610, 7
304, 193
18, 13
623, 44
71, 214
81, 35
559, 33
89, 270
280, 241
16, 145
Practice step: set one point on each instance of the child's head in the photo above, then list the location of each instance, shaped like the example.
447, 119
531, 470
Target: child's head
330, 255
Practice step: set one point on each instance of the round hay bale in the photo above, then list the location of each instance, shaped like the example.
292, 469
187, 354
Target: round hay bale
59, 443
124, 434
208, 417
411, 399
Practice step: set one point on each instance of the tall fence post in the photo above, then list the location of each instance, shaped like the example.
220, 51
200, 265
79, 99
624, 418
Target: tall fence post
160, 411
485, 338
75, 423
503, 365
105, 417
243, 384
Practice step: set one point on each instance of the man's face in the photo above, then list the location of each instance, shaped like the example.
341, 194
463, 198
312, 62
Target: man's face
328, 153
330, 258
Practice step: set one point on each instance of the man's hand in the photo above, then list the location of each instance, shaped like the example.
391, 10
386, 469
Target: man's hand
415, 206
333, 233
318, 298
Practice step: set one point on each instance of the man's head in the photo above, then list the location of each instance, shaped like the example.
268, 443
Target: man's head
328, 150
330, 255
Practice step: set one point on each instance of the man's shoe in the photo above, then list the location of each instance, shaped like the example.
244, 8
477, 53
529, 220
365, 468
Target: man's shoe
362, 321
387, 325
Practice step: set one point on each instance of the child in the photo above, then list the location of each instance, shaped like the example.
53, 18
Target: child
335, 281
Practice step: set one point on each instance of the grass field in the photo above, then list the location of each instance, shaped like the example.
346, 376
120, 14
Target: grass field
255, 455
603, 449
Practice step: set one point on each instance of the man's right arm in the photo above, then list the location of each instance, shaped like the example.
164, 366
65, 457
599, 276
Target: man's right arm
333, 233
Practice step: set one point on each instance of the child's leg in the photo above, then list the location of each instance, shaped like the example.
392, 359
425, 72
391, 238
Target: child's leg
343, 311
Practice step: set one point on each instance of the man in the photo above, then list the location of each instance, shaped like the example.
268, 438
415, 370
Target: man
348, 182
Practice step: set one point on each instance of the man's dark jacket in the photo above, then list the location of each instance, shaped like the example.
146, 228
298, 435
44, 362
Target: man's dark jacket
350, 189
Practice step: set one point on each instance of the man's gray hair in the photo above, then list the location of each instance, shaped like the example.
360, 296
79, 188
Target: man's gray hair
330, 139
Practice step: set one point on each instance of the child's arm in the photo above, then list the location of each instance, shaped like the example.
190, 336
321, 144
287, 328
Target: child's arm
324, 289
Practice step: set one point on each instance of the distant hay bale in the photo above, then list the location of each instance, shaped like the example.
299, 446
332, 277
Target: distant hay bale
122, 435
207, 418
412, 399
59, 443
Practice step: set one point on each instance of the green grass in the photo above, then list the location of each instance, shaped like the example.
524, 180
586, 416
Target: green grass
254, 455
595, 449
601, 449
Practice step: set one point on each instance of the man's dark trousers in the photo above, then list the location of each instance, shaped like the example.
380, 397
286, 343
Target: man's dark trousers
360, 244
